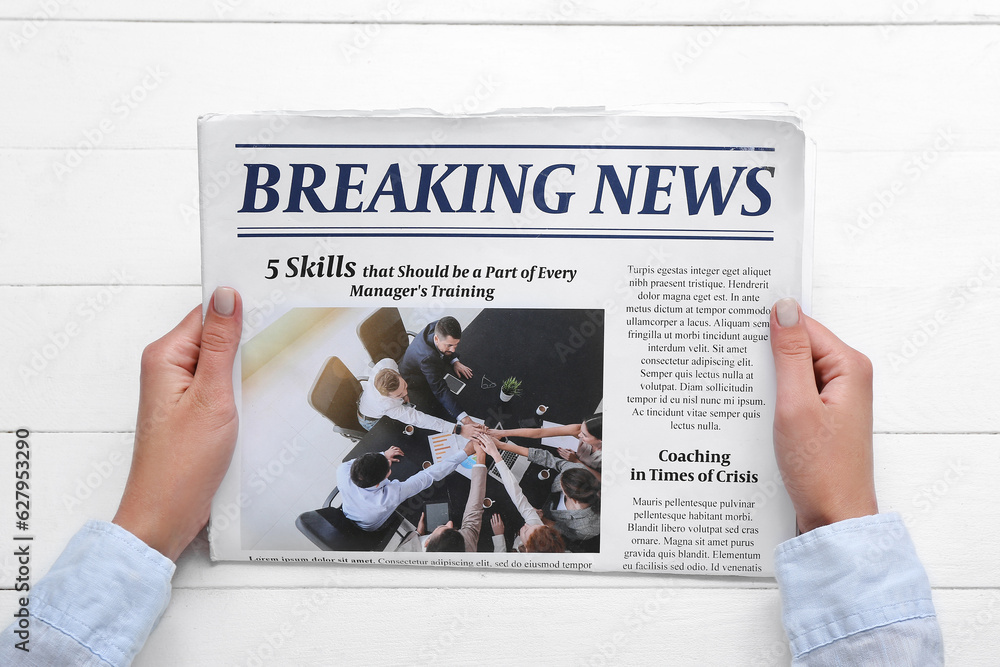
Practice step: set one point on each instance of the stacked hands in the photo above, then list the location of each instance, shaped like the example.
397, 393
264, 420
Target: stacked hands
471, 429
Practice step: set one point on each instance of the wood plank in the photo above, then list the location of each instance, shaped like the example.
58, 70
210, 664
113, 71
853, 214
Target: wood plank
121, 218
581, 626
74, 353
906, 218
682, 627
130, 217
605, 12
77, 355
942, 485
862, 99
621, 627
921, 344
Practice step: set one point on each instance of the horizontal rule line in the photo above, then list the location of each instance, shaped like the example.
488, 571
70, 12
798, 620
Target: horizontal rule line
766, 149
546, 229
511, 236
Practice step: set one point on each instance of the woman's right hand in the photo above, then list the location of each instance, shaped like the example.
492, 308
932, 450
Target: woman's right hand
568, 454
822, 420
489, 444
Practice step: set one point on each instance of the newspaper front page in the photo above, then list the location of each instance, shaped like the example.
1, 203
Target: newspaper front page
613, 272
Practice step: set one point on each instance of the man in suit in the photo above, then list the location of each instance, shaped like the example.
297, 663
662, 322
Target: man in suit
446, 537
431, 355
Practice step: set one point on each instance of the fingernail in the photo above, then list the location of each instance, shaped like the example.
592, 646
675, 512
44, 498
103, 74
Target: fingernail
225, 301
787, 311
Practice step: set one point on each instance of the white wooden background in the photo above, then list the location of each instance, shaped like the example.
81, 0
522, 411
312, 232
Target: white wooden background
99, 255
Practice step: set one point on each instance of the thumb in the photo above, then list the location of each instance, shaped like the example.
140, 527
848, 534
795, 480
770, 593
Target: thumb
793, 355
220, 338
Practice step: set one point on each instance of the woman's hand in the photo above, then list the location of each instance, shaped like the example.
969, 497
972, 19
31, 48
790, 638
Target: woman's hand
496, 523
186, 428
822, 420
489, 445
568, 454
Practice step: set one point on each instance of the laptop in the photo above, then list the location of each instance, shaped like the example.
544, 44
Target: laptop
443, 444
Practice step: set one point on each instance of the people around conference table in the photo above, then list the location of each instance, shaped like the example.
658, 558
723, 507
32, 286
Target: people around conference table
369, 494
431, 355
589, 433
387, 394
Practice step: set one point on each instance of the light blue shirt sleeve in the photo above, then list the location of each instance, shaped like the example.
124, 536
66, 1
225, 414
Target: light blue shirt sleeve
414, 484
369, 508
97, 605
855, 593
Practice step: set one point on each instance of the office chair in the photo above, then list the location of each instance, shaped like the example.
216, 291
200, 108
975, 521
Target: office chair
330, 530
383, 335
335, 395
591, 545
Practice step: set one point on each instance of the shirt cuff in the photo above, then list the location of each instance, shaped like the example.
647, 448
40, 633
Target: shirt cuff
849, 577
499, 544
460, 417
107, 590
457, 456
539, 456
479, 465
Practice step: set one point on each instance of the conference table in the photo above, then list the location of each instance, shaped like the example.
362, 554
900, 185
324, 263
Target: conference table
558, 354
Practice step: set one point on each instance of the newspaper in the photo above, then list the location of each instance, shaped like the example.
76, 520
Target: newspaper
619, 264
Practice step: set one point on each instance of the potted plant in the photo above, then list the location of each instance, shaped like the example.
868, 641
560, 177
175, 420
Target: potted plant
510, 388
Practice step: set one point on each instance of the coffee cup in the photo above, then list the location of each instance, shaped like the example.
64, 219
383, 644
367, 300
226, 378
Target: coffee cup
544, 474
426, 465
487, 503
541, 410
408, 430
